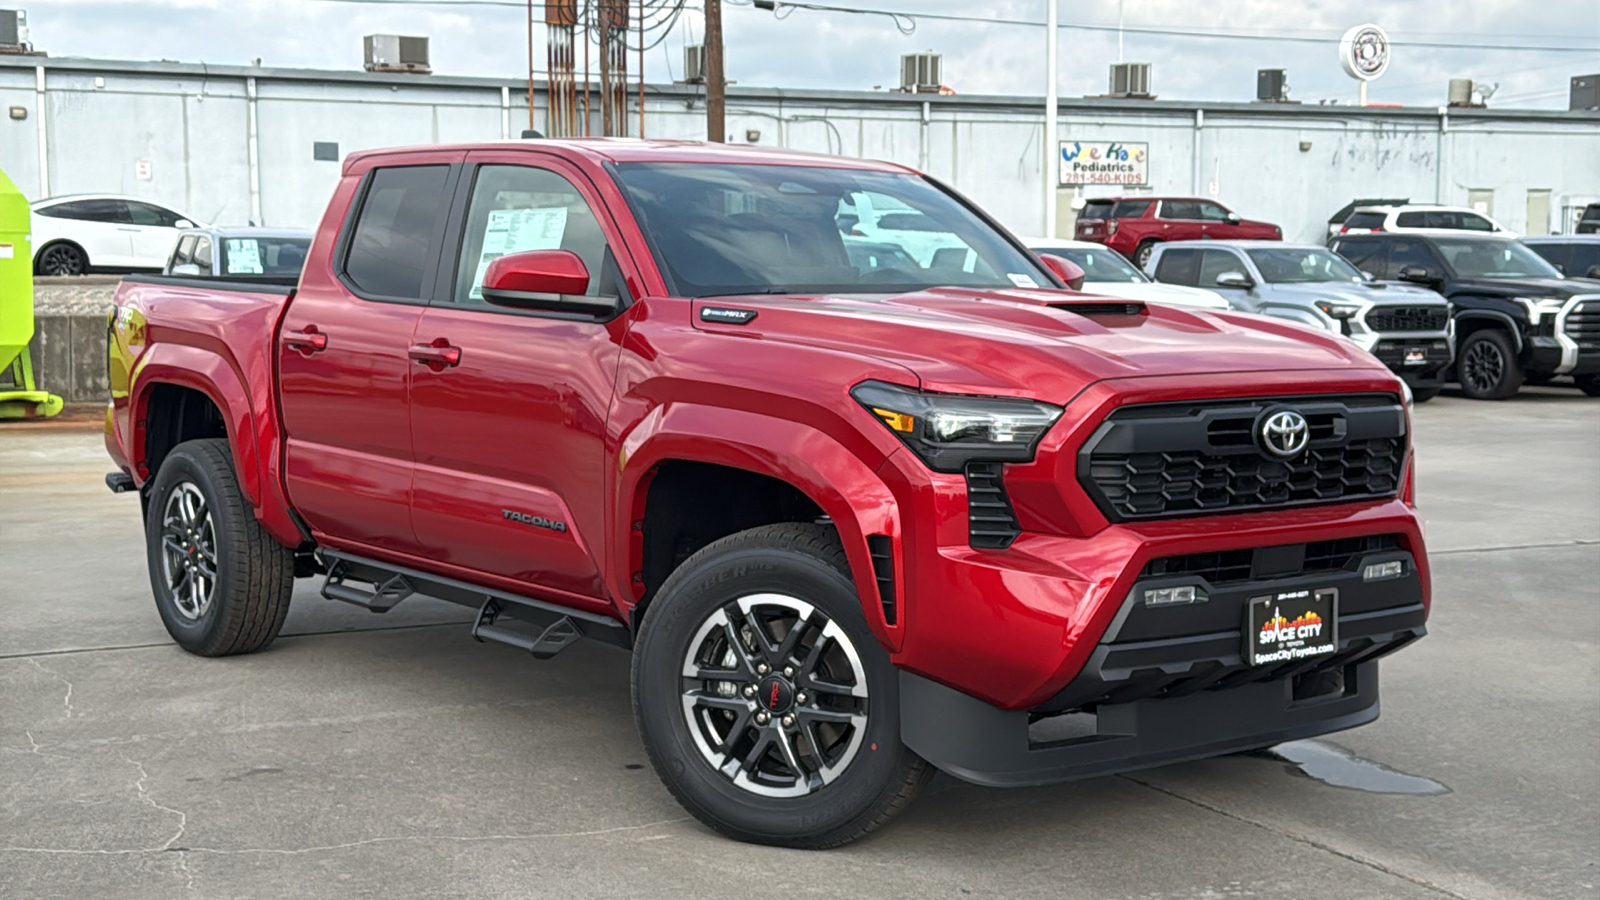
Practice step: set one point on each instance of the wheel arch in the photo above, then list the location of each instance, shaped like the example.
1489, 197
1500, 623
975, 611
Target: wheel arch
38, 255
178, 392
1475, 320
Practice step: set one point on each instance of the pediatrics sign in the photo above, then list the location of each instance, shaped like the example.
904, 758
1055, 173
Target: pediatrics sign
1104, 162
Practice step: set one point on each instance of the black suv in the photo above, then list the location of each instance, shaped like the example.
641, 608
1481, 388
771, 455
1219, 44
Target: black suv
1516, 318
1576, 255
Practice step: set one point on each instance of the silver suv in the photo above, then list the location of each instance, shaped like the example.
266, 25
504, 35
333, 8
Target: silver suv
1409, 328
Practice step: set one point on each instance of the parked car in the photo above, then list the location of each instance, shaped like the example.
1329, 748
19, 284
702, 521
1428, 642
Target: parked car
1517, 319
1108, 274
854, 523
1575, 255
1414, 218
75, 234
1405, 326
256, 254
1133, 226
1337, 219
1589, 222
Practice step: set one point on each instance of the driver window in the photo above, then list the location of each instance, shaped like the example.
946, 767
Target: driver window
1409, 253
1214, 262
519, 208
1212, 212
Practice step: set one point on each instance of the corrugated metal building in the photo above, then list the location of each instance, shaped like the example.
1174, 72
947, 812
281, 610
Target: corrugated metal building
231, 144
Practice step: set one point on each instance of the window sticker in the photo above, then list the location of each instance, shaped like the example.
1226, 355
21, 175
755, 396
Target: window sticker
242, 256
1022, 280
515, 231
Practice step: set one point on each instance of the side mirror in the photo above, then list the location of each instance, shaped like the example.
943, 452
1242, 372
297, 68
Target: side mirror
1065, 269
1417, 274
183, 223
187, 269
1594, 272
1234, 218
551, 280
1235, 280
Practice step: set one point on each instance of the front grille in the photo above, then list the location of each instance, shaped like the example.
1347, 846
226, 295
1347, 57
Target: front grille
1158, 461
991, 522
1583, 325
1238, 566
1408, 318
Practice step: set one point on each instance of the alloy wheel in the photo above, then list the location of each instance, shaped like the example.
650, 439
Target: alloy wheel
61, 260
189, 550
1483, 366
774, 695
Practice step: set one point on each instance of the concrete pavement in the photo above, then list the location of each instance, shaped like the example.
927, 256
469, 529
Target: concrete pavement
391, 756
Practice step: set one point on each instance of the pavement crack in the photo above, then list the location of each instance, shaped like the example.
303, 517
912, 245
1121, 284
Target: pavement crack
1303, 839
1557, 545
66, 701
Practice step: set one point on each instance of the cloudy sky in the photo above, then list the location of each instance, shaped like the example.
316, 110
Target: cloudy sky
819, 49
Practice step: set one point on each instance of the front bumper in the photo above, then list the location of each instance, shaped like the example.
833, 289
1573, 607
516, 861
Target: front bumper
1420, 361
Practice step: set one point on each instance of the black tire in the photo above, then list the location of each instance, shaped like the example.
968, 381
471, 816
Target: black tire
1423, 395
1487, 366
61, 258
240, 605
1589, 384
1141, 254
876, 780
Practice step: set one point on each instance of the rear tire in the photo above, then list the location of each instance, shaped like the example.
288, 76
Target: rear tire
1488, 367
221, 583
61, 258
1141, 254
810, 759
1589, 384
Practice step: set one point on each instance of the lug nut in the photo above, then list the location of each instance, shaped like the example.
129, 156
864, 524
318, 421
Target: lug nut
749, 690
787, 721
763, 717
788, 671
763, 668
801, 697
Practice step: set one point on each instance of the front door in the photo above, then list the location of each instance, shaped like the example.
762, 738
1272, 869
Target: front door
510, 439
343, 365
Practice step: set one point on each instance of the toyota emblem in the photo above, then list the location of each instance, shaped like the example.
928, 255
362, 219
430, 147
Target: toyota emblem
1284, 433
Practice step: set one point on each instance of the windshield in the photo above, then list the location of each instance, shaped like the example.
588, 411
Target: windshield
264, 255
759, 229
1294, 265
1493, 259
1097, 265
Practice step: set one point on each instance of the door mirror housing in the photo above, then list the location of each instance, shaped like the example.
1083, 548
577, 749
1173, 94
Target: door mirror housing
550, 280
1418, 275
183, 223
1065, 269
1234, 218
189, 270
1235, 280
1594, 272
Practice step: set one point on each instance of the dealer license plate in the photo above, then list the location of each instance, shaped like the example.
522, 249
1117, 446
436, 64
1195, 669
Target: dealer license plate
1416, 357
1291, 626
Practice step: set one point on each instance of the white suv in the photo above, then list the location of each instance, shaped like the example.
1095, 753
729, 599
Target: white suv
1418, 217
72, 234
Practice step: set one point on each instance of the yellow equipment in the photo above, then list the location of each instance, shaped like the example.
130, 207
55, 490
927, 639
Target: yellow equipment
18, 399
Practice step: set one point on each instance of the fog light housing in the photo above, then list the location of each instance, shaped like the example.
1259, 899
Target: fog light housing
1173, 596
1394, 568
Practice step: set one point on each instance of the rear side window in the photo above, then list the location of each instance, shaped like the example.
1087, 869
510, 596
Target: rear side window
108, 210
1365, 255
1591, 213
1419, 220
1097, 209
1179, 267
1557, 255
1180, 209
1130, 209
1474, 222
397, 231
1584, 258
1367, 220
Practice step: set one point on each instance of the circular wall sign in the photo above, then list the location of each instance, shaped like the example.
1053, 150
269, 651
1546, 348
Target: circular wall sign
1364, 52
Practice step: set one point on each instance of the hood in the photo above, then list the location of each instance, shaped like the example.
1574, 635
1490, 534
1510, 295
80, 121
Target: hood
1032, 343
1155, 292
1530, 287
1382, 293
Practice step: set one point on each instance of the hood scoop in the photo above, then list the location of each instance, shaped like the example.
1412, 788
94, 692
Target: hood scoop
1099, 307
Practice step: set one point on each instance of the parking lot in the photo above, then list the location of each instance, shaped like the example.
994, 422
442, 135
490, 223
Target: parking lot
391, 755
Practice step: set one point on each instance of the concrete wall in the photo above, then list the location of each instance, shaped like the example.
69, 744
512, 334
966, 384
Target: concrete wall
190, 123
68, 353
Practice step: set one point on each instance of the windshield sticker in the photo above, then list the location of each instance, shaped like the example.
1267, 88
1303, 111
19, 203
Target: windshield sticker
242, 256
1022, 280
515, 231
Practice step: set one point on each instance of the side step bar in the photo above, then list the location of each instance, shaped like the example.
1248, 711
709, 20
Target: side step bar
550, 628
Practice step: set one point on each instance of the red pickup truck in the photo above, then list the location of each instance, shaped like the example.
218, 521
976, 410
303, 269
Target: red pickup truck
1133, 226
856, 516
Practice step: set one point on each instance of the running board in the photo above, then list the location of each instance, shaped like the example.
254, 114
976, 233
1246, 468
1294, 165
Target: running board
550, 628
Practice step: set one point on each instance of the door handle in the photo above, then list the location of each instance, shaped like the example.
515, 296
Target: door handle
308, 341
437, 355
134, 230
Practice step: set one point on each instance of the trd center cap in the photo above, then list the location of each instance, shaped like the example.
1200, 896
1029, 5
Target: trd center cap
775, 696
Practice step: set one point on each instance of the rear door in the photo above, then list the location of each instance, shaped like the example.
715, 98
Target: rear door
1180, 220
100, 226
344, 369
510, 439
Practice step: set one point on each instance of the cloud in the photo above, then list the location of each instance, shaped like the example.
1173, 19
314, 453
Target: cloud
831, 50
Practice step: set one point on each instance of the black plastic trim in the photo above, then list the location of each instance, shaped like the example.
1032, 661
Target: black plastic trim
991, 521
881, 548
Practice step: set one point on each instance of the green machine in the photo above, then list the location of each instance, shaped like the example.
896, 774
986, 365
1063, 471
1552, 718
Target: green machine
18, 397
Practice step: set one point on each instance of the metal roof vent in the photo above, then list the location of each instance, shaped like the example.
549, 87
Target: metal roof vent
393, 53
919, 73
1131, 81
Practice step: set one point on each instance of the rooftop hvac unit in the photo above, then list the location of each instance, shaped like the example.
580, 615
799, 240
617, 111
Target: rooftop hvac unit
1272, 85
1585, 92
1461, 92
13, 31
919, 73
694, 64
1131, 80
393, 53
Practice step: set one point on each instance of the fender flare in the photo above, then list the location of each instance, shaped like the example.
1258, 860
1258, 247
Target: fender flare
845, 487
196, 368
1498, 318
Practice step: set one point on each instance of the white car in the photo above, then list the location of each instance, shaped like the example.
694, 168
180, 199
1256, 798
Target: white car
104, 231
1419, 217
1106, 272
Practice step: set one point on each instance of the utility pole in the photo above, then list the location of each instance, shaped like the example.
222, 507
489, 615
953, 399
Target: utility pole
1052, 162
714, 82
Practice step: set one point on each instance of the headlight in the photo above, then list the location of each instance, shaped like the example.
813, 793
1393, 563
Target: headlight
1338, 310
947, 431
1540, 307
